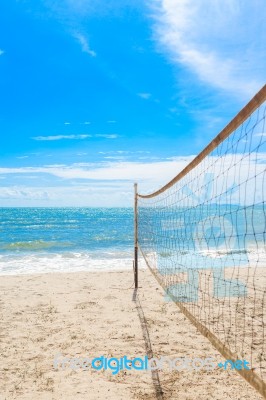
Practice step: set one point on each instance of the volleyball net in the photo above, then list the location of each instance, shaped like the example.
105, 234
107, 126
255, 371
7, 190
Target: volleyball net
203, 237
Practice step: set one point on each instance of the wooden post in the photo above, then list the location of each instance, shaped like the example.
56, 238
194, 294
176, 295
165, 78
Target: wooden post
136, 235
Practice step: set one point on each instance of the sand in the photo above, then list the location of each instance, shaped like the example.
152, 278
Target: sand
93, 314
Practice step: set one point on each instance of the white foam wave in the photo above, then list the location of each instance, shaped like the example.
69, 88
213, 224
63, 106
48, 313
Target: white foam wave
64, 262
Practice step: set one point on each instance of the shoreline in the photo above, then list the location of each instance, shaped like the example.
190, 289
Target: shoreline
62, 263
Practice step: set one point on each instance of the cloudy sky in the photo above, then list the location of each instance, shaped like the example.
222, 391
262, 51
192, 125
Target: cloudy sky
95, 95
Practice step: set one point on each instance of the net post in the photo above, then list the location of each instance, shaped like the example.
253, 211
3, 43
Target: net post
136, 235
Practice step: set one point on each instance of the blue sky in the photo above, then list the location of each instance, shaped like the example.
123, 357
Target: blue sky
97, 95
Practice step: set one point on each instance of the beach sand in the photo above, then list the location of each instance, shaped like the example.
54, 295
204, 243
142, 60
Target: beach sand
93, 314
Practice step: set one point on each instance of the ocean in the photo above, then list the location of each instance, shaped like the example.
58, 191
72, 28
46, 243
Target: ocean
37, 240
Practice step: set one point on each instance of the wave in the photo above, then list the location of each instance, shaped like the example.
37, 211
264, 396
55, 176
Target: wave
253, 256
34, 245
65, 262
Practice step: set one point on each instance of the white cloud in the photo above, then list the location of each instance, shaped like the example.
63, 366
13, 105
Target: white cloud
22, 157
84, 44
74, 137
126, 152
107, 184
104, 183
220, 41
84, 164
111, 121
86, 123
109, 171
60, 137
107, 136
145, 96
1, 52
66, 123
55, 165
114, 157
102, 195
23, 193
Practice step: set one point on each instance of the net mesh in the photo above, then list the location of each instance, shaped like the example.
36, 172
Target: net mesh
204, 238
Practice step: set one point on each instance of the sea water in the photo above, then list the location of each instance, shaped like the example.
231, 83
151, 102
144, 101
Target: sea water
35, 240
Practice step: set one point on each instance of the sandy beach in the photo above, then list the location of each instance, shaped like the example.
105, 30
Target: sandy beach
98, 314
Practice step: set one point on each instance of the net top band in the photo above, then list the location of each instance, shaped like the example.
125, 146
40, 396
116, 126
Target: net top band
252, 105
